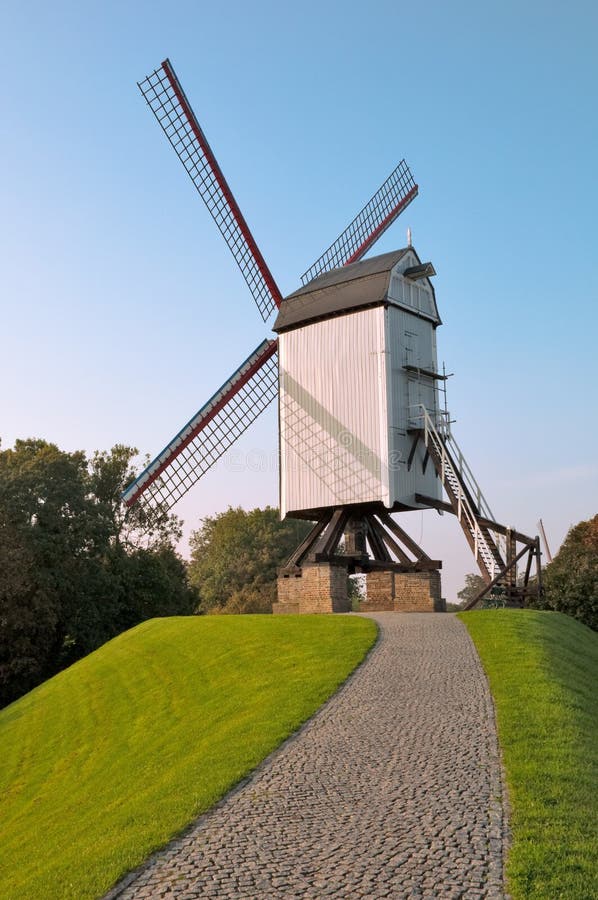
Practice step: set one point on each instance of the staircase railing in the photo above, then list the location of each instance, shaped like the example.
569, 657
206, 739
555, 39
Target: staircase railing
461, 484
469, 478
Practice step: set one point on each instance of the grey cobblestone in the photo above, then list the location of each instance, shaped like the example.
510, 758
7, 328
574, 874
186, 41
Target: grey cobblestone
392, 790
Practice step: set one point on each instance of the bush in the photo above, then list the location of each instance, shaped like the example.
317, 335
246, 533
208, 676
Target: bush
571, 579
248, 600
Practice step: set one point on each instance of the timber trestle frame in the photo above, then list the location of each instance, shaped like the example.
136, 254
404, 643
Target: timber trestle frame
373, 541
362, 528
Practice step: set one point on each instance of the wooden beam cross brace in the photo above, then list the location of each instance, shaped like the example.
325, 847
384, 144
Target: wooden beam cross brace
310, 539
398, 532
497, 578
376, 538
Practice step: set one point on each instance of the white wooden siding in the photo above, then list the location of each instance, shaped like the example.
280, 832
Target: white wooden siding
347, 403
410, 340
333, 413
416, 295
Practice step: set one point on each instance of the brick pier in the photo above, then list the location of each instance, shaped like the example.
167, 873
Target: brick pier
320, 588
394, 592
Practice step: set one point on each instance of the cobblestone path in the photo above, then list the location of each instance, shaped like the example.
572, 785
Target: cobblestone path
391, 790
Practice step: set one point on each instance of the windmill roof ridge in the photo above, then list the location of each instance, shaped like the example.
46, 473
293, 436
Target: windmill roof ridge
355, 286
363, 268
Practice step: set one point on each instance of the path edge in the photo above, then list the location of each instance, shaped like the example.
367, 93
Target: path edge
123, 883
500, 811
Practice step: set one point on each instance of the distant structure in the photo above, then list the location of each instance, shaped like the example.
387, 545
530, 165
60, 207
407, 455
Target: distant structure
363, 432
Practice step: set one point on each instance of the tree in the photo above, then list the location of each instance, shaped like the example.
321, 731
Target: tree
29, 616
571, 579
473, 585
235, 556
153, 583
75, 569
109, 473
44, 519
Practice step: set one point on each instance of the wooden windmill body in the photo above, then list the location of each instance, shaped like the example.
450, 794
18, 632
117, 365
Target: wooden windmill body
357, 360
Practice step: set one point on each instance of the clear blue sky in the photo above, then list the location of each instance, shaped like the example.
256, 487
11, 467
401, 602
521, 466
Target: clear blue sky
122, 310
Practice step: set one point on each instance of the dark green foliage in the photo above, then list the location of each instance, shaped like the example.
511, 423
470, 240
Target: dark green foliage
154, 583
235, 556
74, 570
571, 579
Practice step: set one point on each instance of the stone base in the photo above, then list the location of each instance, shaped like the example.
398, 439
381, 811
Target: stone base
321, 588
395, 592
380, 592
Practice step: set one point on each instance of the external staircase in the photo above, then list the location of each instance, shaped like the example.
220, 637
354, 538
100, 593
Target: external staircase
494, 546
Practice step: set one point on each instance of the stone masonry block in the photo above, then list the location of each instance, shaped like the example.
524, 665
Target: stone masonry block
407, 592
321, 588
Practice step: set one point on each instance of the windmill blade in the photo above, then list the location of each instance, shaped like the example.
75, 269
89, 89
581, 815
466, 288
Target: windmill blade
388, 202
209, 433
167, 101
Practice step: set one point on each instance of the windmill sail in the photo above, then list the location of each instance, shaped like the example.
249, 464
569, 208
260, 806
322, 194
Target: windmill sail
388, 202
168, 102
211, 431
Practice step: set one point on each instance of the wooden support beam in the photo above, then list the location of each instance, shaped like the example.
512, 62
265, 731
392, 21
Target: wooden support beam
539, 567
376, 537
366, 564
528, 569
425, 461
332, 534
503, 529
414, 444
398, 532
433, 503
306, 544
394, 546
483, 522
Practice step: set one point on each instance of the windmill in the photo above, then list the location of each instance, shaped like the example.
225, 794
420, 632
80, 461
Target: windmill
354, 365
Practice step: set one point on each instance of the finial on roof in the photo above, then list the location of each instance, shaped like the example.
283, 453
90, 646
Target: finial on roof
409, 244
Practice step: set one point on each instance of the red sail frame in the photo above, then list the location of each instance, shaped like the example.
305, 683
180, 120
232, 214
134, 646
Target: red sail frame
211, 431
166, 98
369, 224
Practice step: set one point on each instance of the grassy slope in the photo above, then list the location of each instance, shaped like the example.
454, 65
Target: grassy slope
106, 761
543, 670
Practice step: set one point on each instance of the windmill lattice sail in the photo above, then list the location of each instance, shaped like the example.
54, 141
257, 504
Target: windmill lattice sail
210, 433
369, 224
167, 101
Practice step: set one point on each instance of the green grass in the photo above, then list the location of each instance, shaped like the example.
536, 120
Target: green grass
105, 762
543, 673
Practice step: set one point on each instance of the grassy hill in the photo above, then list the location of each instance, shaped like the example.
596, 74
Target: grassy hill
105, 762
543, 673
